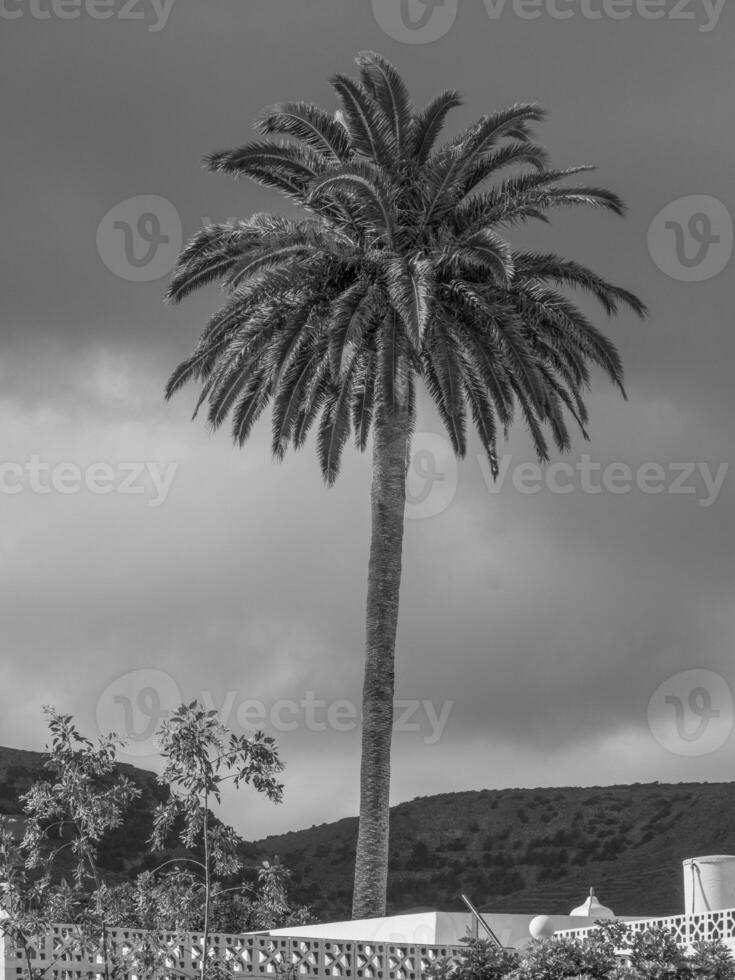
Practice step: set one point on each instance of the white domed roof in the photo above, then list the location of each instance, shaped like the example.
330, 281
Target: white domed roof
592, 908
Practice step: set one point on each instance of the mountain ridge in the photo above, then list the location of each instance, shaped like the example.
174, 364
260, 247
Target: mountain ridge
520, 850
526, 850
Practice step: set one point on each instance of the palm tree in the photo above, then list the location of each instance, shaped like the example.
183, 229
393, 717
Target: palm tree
396, 268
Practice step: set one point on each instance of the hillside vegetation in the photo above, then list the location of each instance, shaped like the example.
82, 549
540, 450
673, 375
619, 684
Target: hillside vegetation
514, 850
526, 850
124, 853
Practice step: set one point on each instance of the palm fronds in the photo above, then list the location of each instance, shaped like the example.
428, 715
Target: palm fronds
401, 269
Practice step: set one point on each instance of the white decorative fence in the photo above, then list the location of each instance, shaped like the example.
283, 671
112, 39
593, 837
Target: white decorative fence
686, 929
243, 955
58, 957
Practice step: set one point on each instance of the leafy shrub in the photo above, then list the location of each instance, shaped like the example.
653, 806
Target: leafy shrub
649, 955
483, 961
87, 798
419, 858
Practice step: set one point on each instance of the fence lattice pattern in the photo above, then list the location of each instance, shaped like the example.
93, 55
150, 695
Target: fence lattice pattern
243, 955
686, 929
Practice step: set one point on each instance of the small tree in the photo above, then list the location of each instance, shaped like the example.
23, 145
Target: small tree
200, 755
271, 907
85, 798
29, 906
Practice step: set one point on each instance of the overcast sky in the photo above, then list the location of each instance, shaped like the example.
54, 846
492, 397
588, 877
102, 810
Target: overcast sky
538, 618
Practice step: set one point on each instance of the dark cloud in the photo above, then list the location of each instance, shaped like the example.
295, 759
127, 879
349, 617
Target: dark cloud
547, 620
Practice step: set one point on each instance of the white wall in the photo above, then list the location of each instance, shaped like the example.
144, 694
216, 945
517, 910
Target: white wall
431, 928
416, 928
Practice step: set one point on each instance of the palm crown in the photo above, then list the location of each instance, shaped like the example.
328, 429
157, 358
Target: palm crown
397, 268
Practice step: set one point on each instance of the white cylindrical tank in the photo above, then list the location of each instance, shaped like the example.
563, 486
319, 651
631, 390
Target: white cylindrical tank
709, 883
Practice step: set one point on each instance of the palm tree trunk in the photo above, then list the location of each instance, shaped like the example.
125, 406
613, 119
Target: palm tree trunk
390, 458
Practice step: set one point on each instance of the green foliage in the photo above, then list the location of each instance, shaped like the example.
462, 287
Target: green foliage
200, 755
483, 961
324, 886
420, 857
712, 961
611, 952
30, 904
626, 885
86, 799
396, 268
271, 907
556, 959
